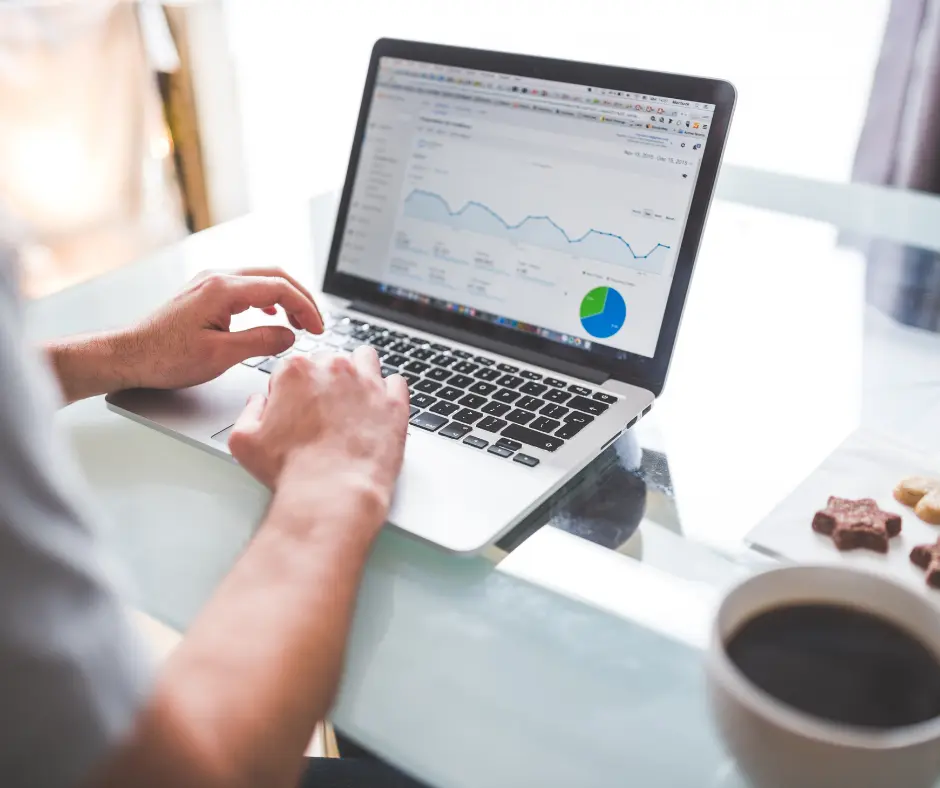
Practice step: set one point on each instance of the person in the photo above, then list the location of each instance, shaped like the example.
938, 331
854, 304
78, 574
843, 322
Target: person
238, 700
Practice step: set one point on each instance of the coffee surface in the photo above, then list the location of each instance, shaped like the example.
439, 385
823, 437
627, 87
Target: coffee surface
840, 664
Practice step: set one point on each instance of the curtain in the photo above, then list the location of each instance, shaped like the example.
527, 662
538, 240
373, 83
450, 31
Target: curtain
900, 146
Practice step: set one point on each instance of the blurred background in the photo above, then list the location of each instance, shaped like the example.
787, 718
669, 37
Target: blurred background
124, 126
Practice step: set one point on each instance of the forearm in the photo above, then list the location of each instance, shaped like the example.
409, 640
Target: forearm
90, 365
240, 697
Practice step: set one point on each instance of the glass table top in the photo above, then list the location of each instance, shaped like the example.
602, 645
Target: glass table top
794, 337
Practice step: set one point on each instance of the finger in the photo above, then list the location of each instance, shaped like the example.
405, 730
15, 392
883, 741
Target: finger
366, 360
397, 388
259, 341
243, 292
280, 272
249, 420
269, 310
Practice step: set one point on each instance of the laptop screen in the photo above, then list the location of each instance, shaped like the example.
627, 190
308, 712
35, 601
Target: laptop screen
545, 207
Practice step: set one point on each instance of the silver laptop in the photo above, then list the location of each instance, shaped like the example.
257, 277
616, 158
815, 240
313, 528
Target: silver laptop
516, 236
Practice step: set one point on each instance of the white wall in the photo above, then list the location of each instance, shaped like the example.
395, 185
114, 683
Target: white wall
803, 69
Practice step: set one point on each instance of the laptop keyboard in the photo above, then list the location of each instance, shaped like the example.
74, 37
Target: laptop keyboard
483, 403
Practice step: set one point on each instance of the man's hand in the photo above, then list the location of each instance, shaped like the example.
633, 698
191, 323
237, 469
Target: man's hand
331, 421
188, 341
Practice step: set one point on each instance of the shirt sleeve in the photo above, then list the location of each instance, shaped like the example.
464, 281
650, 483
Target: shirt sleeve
72, 671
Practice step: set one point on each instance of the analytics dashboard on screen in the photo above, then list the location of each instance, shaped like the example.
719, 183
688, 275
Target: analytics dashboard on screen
555, 207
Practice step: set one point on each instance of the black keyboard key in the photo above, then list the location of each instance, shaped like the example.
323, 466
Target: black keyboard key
409, 378
455, 430
270, 365
508, 444
486, 362
533, 388
554, 395
396, 360
450, 394
491, 424
357, 323
386, 371
569, 429
506, 395
579, 390
466, 368
382, 341
419, 342
509, 380
543, 424
577, 417
443, 361
472, 401
482, 388
539, 440
460, 381
525, 459
429, 421
437, 373
487, 374
462, 353
586, 405
422, 400
530, 403
554, 411
440, 348
499, 451
422, 354
398, 335
401, 347
381, 352
477, 443
530, 375
496, 408
520, 416
600, 396
554, 382
427, 386
445, 408
417, 367
412, 411
467, 416
507, 368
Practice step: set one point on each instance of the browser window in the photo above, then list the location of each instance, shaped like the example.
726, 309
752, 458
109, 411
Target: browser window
550, 208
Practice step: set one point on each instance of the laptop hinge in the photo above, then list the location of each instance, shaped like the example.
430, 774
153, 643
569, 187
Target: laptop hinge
469, 338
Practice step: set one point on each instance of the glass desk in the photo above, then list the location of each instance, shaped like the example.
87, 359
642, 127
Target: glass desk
571, 653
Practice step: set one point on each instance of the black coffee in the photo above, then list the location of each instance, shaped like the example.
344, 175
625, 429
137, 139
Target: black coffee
840, 664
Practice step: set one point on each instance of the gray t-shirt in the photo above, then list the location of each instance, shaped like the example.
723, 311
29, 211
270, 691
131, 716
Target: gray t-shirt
72, 671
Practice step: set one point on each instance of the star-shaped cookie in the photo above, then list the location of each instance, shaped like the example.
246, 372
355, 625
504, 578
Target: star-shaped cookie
860, 523
927, 556
923, 494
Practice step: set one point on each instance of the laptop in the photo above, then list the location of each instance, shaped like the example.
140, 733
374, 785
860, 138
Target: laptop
516, 236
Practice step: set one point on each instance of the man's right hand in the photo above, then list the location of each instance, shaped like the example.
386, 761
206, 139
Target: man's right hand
330, 423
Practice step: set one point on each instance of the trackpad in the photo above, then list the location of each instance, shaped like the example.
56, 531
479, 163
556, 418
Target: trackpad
222, 437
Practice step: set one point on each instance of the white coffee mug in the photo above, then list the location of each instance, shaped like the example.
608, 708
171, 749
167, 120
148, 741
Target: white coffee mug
778, 746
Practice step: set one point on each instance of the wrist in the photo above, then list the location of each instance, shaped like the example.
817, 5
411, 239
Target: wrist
314, 494
93, 364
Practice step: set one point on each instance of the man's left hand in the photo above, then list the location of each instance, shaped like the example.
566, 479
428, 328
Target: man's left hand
188, 341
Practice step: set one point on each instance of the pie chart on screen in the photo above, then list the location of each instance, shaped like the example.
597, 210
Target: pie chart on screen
603, 312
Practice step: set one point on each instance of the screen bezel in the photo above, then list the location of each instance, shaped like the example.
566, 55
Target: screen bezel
650, 373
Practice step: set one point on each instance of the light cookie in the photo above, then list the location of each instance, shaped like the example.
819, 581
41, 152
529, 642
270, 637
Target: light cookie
923, 494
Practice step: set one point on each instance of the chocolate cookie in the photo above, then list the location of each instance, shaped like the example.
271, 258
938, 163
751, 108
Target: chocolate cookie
927, 556
853, 524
